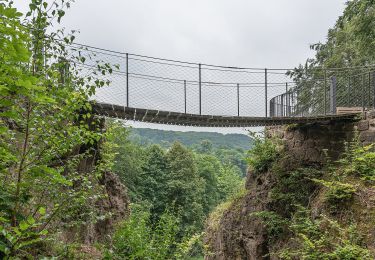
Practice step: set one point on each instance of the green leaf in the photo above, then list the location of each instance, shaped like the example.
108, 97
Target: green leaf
24, 225
3, 248
30, 220
42, 211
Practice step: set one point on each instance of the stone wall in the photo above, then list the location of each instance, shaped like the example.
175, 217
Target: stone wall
366, 128
311, 142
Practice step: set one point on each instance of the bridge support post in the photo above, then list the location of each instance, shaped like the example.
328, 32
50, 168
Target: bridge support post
265, 92
127, 79
185, 95
368, 91
200, 89
238, 99
332, 94
348, 92
287, 99
363, 92
373, 86
325, 92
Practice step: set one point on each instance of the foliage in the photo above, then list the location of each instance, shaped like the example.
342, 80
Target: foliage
359, 161
136, 238
323, 238
263, 153
349, 43
230, 149
188, 183
44, 116
213, 221
166, 138
129, 159
337, 192
185, 188
276, 225
293, 188
208, 168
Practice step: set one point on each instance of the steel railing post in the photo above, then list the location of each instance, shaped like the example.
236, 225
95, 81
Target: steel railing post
127, 79
185, 95
348, 92
200, 89
325, 92
369, 90
287, 100
265, 92
238, 99
363, 92
333, 95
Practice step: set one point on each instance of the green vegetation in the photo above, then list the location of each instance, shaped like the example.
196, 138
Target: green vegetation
145, 136
135, 239
54, 156
333, 191
350, 44
324, 238
263, 154
230, 149
42, 190
337, 192
187, 184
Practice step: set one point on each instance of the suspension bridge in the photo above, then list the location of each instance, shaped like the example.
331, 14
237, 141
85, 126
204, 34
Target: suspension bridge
165, 91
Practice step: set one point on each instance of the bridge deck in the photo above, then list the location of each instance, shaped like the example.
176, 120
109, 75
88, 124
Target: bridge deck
175, 118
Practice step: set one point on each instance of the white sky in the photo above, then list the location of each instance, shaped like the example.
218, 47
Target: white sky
245, 33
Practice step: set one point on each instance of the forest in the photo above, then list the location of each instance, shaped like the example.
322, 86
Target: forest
174, 189
76, 186
145, 136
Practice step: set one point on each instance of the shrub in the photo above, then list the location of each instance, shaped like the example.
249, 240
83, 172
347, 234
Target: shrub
293, 188
323, 238
263, 153
360, 161
137, 239
337, 191
276, 225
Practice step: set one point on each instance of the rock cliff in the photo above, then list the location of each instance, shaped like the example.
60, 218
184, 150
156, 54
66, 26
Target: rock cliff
237, 232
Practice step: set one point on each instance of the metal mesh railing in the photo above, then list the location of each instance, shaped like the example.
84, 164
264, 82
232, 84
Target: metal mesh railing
161, 84
352, 88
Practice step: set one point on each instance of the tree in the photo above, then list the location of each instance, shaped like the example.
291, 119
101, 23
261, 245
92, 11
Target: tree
154, 180
40, 128
350, 44
205, 147
185, 188
137, 238
129, 159
208, 167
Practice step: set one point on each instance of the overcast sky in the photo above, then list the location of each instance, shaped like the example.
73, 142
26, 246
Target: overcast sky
247, 33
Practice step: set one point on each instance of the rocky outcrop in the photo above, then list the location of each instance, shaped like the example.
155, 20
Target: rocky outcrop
116, 204
113, 203
238, 234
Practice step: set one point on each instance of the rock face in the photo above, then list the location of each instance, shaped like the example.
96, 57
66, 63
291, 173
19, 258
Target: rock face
241, 235
114, 204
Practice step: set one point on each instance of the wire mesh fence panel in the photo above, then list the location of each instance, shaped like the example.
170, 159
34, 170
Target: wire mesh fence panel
158, 95
152, 83
192, 98
219, 100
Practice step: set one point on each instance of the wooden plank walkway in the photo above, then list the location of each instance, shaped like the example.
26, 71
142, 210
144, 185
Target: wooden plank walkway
175, 118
